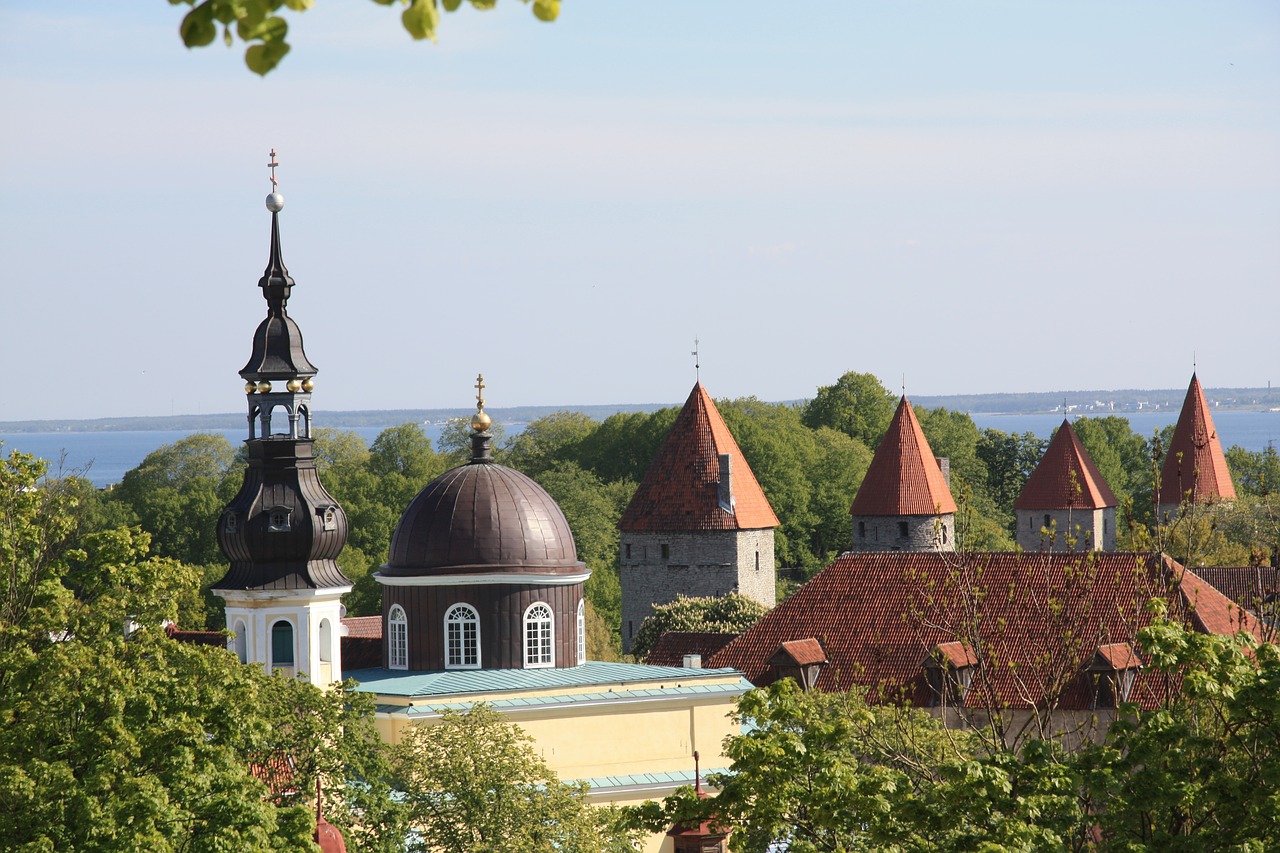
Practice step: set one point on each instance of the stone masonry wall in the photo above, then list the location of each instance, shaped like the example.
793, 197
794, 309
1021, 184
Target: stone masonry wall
655, 568
885, 533
1093, 530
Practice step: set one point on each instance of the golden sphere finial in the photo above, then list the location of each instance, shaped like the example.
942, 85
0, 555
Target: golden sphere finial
480, 421
264, 387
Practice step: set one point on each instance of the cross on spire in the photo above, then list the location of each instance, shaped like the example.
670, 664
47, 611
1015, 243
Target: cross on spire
480, 386
272, 166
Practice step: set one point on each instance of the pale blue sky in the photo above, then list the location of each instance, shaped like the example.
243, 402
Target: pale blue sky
983, 196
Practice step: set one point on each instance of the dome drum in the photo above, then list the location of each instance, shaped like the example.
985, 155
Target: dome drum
499, 611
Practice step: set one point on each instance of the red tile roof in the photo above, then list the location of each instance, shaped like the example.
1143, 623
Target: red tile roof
1248, 586
680, 489
363, 626
1194, 462
674, 645
801, 652
1119, 656
956, 653
904, 478
1066, 477
1034, 621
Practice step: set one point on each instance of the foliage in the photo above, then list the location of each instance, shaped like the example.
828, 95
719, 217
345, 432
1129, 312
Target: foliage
114, 737
473, 781
725, 614
856, 405
259, 24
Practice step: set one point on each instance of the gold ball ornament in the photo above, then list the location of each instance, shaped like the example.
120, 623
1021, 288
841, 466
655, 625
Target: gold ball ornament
308, 384
480, 421
294, 385
250, 387
264, 387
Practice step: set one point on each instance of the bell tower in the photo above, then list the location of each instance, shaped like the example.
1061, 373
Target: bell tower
282, 532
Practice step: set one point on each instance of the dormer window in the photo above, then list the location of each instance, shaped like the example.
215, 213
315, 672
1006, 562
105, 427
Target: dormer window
278, 519
801, 660
328, 517
231, 522
949, 669
1115, 667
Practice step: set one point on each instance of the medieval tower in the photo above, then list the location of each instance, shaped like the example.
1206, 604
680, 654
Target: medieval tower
1066, 504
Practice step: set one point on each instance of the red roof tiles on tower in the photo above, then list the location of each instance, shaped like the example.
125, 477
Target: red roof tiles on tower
1066, 477
680, 490
904, 478
1195, 463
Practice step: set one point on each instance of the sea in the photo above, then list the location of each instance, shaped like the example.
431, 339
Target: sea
104, 457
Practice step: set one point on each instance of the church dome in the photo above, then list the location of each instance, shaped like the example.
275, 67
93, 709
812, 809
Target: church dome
482, 518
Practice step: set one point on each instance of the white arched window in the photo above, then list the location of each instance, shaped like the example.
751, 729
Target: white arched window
397, 638
241, 642
326, 641
462, 637
281, 644
539, 624
582, 632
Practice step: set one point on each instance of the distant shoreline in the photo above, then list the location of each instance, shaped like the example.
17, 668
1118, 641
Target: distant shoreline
1098, 403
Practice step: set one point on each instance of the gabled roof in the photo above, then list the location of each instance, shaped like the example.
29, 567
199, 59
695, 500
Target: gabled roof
1194, 462
957, 654
680, 489
1040, 620
1248, 586
804, 652
904, 478
1066, 477
1116, 657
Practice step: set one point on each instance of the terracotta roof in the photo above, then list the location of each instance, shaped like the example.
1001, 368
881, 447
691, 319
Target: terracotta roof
799, 653
1117, 656
904, 478
674, 645
1248, 586
956, 653
1066, 477
680, 489
1194, 462
363, 626
1043, 616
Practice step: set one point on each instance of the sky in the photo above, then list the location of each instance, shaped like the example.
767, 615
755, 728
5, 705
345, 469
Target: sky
959, 197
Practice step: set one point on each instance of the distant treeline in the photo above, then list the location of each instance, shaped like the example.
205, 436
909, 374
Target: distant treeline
1122, 401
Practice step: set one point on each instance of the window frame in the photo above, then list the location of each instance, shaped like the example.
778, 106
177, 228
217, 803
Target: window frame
397, 623
544, 638
462, 643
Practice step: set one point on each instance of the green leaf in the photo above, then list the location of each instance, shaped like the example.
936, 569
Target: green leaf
299, 5
266, 30
197, 28
546, 10
452, 5
261, 58
420, 19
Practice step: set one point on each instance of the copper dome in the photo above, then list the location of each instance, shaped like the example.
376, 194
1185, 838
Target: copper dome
482, 518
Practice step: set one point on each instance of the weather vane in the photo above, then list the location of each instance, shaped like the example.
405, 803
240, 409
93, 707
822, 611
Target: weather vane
697, 367
272, 166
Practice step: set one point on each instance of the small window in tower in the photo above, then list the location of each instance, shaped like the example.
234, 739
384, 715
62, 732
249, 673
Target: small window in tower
628, 550
944, 534
1047, 521
329, 518
232, 523
1031, 523
278, 519
862, 530
666, 552
902, 529
757, 561
1105, 525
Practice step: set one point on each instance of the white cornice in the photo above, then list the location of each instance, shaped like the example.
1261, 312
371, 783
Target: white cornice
487, 579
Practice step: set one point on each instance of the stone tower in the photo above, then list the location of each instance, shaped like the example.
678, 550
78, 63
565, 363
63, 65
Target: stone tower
282, 532
699, 523
1194, 469
904, 502
1066, 503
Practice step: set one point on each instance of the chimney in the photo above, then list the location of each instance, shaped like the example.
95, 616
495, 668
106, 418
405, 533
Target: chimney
945, 464
725, 491
693, 661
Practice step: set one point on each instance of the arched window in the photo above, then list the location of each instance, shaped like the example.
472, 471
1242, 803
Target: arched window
281, 644
397, 638
538, 631
241, 642
461, 637
326, 641
582, 632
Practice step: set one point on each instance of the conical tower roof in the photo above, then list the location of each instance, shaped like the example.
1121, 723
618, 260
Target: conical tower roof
1194, 462
904, 477
1066, 477
681, 488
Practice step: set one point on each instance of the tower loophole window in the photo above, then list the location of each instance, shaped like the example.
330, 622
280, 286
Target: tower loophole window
278, 519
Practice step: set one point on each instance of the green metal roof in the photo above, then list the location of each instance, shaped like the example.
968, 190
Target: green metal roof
733, 689
414, 685
638, 780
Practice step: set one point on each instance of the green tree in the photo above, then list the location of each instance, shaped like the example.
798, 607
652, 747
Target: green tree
856, 405
725, 614
1009, 459
264, 31
178, 492
624, 444
548, 441
474, 782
